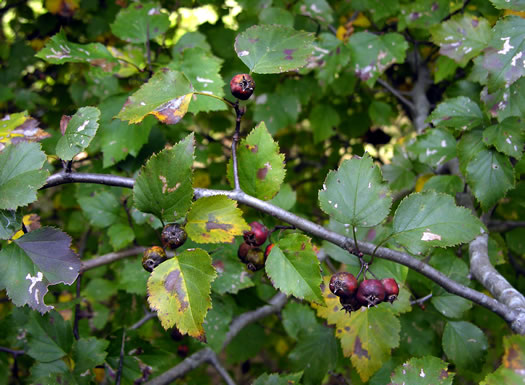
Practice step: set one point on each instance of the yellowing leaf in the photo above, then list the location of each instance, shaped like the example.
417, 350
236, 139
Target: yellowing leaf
420, 183
214, 220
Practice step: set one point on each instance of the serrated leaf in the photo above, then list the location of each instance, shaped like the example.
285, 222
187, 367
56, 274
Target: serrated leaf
399, 173
426, 370
367, 335
166, 96
88, 353
20, 127
516, 5
10, 223
260, 165
507, 137
202, 68
179, 290
429, 219
490, 175
21, 174
79, 132
120, 235
465, 345
355, 194
59, 50
231, 274
270, 49
40, 258
50, 337
513, 364
285, 198
274, 15
215, 219
423, 13
460, 113
444, 68
316, 353
101, 208
323, 119
217, 322
277, 110
435, 147
164, 190
503, 58
505, 102
462, 37
448, 184
140, 22
318, 10
376, 8
380, 53
468, 147
297, 318
278, 379
293, 268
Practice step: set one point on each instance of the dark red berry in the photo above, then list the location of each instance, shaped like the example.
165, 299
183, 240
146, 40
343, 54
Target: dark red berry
343, 284
255, 259
182, 350
391, 289
268, 250
370, 292
173, 236
242, 86
242, 252
153, 257
350, 303
257, 235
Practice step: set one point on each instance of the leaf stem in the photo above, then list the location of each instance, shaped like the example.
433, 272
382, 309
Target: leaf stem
239, 112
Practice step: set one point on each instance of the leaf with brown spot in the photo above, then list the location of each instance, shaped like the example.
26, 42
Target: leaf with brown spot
20, 127
179, 290
426, 370
261, 167
214, 220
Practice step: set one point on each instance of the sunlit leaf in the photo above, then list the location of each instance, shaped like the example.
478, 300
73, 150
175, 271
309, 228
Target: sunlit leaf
140, 22
460, 113
20, 127
435, 147
80, 130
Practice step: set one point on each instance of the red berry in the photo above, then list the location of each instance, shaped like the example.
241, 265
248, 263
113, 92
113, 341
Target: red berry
350, 303
242, 86
257, 235
173, 236
242, 252
391, 289
255, 259
370, 292
268, 250
343, 284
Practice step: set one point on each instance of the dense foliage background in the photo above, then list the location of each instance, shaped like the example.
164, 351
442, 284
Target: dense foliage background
415, 107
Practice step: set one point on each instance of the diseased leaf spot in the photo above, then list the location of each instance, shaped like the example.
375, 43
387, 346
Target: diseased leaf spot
173, 284
165, 187
444, 374
288, 53
253, 148
358, 349
428, 236
213, 224
261, 173
173, 111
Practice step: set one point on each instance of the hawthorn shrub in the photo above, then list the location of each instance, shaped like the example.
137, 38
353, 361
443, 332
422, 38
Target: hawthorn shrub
244, 153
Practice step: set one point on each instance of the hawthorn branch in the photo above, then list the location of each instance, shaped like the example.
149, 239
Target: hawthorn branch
214, 361
495, 283
419, 92
110, 257
503, 310
396, 93
499, 226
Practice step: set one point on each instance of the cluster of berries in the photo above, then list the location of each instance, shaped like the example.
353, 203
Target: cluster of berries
172, 237
370, 292
249, 252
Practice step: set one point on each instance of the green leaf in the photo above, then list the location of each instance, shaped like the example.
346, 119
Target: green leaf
88, 353
215, 219
132, 278
316, 353
274, 15
166, 95
99, 289
59, 50
445, 68
261, 166
355, 194
448, 184
468, 147
376, 8
34, 261
429, 219
202, 68
516, 5
318, 10
102, 208
278, 379
50, 337
277, 110
285, 198
423, 13
426, 370
297, 318
380, 53
399, 173
21, 174
20, 127
120, 235
435, 147
79, 132
460, 113
10, 223
294, 269
465, 345
323, 119
489, 175
140, 22
217, 322
462, 38
381, 113
270, 49
179, 290
505, 102
162, 189
502, 57
231, 274
507, 137
511, 370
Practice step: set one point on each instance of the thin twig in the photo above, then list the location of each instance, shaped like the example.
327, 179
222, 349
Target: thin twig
143, 320
14, 352
111, 257
77, 308
396, 93
214, 361
121, 359
498, 226
239, 112
421, 300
